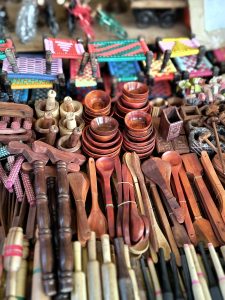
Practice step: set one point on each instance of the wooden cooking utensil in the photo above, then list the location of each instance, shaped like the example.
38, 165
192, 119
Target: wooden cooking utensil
96, 220
93, 271
196, 286
79, 288
124, 280
202, 226
126, 206
222, 249
148, 286
218, 268
216, 184
119, 218
159, 172
109, 279
164, 221
194, 168
177, 288
79, 184
158, 239
155, 280
131, 273
186, 275
175, 161
166, 287
105, 167
135, 263
200, 274
212, 282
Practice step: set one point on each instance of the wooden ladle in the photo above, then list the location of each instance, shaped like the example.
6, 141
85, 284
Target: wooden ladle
96, 219
175, 161
159, 171
79, 185
105, 167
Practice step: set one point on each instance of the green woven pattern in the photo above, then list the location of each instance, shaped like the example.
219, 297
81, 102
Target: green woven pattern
4, 152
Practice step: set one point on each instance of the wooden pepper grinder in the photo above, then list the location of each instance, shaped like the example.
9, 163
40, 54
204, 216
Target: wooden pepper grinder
48, 105
109, 279
79, 288
93, 271
70, 105
37, 287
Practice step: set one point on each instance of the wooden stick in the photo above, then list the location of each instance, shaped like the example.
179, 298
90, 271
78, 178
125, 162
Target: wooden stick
222, 249
155, 280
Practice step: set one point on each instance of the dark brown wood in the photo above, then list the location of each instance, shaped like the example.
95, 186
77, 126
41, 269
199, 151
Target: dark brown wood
118, 170
15, 110
126, 206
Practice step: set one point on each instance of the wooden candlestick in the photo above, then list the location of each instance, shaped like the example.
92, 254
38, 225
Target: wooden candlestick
109, 280
93, 271
79, 288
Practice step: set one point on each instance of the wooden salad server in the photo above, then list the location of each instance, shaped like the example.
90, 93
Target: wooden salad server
176, 282
175, 161
194, 169
196, 286
215, 182
80, 288
109, 276
166, 286
118, 170
126, 206
145, 273
105, 167
96, 220
79, 184
155, 280
158, 239
159, 172
164, 220
203, 228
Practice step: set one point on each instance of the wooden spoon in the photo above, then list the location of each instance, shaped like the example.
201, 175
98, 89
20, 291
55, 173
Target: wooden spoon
175, 161
96, 219
159, 172
105, 167
79, 185
160, 240
118, 169
202, 226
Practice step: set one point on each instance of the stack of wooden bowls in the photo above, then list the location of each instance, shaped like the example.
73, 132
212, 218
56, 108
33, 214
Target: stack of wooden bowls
139, 134
134, 97
96, 103
102, 138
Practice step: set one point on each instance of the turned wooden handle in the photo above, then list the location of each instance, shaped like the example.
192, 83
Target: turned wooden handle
109, 207
119, 196
93, 183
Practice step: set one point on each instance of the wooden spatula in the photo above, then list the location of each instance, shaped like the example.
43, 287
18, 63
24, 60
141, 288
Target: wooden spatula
159, 172
194, 169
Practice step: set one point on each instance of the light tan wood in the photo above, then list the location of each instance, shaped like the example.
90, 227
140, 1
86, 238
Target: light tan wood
93, 271
158, 4
196, 286
109, 276
79, 287
218, 268
155, 280
222, 249
200, 274
50, 105
131, 273
70, 105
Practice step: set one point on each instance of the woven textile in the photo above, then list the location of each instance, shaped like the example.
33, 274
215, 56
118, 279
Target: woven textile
19, 84
219, 54
124, 70
20, 96
86, 79
180, 46
188, 64
33, 67
3, 45
121, 50
64, 48
166, 74
161, 89
39, 94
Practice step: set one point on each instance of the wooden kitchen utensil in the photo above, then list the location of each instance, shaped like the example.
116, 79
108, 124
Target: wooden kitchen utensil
175, 161
155, 280
109, 279
216, 184
79, 185
124, 280
218, 268
148, 286
202, 226
93, 271
196, 286
159, 172
96, 220
79, 288
118, 169
212, 282
158, 239
186, 275
105, 167
176, 283
194, 169
166, 287
222, 249
126, 206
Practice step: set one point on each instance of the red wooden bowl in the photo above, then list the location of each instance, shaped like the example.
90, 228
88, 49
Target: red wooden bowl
134, 104
138, 121
137, 143
133, 89
101, 138
104, 125
97, 101
94, 155
125, 110
134, 100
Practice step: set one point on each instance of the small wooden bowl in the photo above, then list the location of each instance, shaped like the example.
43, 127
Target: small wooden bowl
131, 142
104, 125
90, 113
97, 101
125, 110
94, 155
101, 138
133, 89
144, 133
134, 100
138, 121
134, 104
89, 138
